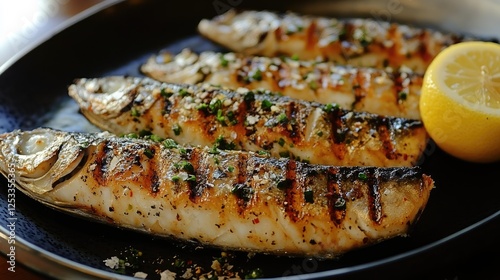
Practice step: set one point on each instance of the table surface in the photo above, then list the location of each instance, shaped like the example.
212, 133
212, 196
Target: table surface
23, 23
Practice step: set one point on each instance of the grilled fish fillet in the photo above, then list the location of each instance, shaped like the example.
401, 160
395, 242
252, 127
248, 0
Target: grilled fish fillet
283, 127
357, 42
229, 199
360, 89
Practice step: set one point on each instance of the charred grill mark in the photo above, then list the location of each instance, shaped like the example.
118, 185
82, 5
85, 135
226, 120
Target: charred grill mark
383, 128
292, 192
241, 189
338, 133
335, 196
103, 158
312, 36
374, 198
293, 127
195, 186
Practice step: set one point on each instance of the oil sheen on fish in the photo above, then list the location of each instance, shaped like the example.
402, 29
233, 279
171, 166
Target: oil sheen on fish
356, 42
229, 199
244, 120
360, 89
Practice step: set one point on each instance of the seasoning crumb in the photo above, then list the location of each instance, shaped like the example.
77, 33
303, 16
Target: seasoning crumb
140, 275
167, 275
112, 262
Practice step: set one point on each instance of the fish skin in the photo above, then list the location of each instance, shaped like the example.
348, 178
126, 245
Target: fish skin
359, 89
237, 200
299, 129
355, 42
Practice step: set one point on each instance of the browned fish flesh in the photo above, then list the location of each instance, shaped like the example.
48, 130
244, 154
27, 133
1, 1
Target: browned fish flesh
244, 120
355, 42
228, 199
359, 89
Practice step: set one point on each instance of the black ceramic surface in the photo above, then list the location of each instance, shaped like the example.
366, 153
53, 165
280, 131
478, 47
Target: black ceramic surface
461, 218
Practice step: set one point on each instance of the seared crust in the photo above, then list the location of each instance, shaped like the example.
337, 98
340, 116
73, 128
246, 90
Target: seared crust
244, 120
355, 42
229, 199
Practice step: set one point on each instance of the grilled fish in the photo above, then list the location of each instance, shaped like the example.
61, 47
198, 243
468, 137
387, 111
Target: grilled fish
357, 42
229, 199
360, 89
266, 123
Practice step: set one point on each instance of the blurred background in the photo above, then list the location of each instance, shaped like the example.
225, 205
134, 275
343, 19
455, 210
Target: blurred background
25, 23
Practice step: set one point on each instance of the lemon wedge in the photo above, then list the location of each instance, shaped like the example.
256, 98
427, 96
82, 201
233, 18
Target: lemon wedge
460, 101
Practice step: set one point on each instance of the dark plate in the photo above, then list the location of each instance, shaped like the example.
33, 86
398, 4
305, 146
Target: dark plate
461, 220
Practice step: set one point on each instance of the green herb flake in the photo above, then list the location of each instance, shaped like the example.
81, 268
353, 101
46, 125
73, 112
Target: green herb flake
149, 153
281, 142
231, 118
257, 76
191, 178
254, 274
214, 106
220, 117
402, 95
331, 107
313, 85
362, 176
134, 112
177, 129
169, 143
263, 153
165, 93
319, 133
284, 154
309, 196
223, 61
202, 107
155, 138
183, 92
295, 57
249, 97
266, 104
230, 169
184, 165
175, 178
131, 135
282, 118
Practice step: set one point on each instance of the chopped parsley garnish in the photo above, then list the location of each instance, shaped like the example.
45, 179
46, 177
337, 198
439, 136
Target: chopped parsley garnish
149, 153
175, 178
131, 135
249, 97
362, 176
165, 93
257, 76
402, 95
295, 57
331, 107
134, 112
214, 106
282, 118
263, 153
313, 85
281, 142
184, 165
191, 178
285, 154
223, 61
183, 92
177, 129
231, 117
155, 138
169, 143
266, 104
230, 169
